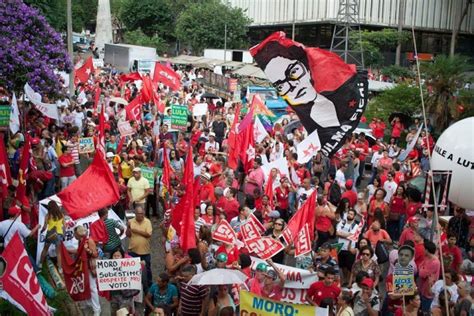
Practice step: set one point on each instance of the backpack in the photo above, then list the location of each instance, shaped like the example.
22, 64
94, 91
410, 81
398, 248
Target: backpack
334, 194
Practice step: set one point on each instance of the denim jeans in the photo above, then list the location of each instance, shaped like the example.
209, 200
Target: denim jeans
425, 303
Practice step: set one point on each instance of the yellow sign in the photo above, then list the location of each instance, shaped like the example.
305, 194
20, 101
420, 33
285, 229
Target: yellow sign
404, 283
253, 305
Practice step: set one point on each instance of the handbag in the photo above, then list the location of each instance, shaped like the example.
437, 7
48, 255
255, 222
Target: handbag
381, 252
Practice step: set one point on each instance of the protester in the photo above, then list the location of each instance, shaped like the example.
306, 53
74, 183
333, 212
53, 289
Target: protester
325, 289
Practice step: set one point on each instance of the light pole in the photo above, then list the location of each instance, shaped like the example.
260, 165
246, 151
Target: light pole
69, 46
225, 42
294, 21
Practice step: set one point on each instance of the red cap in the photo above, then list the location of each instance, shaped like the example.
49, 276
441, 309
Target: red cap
35, 141
413, 219
349, 184
367, 282
14, 210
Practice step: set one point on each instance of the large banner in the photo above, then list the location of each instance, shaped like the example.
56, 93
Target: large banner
19, 282
119, 274
69, 224
251, 304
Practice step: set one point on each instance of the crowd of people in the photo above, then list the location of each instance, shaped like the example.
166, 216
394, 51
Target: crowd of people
362, 190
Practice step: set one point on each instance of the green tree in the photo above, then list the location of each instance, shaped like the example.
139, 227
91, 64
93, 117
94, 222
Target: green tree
401, 99
137, 37
374, 42
53, 10
202, 25
445, 76
396, 72
153, 17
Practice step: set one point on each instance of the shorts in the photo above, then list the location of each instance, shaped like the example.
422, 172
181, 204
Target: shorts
55, 241
346, 259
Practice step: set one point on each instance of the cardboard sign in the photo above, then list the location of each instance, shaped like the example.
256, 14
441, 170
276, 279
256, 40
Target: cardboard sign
125, 129
251, 304
403, 280
119, 274
149, 174
303, 242
224, 233
264, 247
5, 111
86, 145
249, 231
179, 117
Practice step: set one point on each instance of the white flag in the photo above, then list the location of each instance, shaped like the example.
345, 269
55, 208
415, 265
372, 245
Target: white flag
281, 164
49, 110
259, 132
308, 147
410, 146
14, 116
81, 98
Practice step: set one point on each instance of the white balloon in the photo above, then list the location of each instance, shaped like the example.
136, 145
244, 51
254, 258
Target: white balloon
454, 151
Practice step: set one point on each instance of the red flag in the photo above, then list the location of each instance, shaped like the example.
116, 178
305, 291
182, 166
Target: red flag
120, 145
22, 173
98, 232
5, 176
247, 147
305, 215
76, 272
83, 73
269, 190
167, 76
233, 144
133, 109
166, 172
94, 189
147, 89
188, 236
101, 142
130, 77
19, 279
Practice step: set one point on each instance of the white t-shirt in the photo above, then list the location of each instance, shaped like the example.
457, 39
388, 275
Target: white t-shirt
438, 287
300, 193
340, 178
375, 159
391, 188
346, 227
212, 147
17, 226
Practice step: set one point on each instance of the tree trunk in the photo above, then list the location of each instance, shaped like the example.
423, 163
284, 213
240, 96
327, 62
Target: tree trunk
457, 26
401, 19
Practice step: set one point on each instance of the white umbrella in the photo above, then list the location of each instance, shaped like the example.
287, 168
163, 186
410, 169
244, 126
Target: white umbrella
119, 100
218, 276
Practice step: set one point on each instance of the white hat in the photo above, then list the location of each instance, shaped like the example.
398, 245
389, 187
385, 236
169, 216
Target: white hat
206, 176
212, 134
137, 169
109, 154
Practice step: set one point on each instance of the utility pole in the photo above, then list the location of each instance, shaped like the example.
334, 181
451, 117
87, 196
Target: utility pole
225, 42
294, 21
69, 46
401, 20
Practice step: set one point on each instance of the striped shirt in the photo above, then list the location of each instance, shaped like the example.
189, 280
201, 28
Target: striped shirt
74, 151
114, 239
192, 297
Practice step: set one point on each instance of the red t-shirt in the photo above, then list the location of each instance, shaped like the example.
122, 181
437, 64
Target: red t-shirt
412, 207
66, 171
456, 256
398, 205
318, 291
282, 198
232, 254
231, 208
351, 196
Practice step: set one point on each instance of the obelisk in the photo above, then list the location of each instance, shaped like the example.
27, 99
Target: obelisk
103, 30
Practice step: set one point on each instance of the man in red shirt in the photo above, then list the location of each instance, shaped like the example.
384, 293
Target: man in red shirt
409, 232
67, 173
231, 205
350, 194
452, 257
206, 194
320, 290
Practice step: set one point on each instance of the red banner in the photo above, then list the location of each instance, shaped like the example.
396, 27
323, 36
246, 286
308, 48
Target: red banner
19, 279
258, 224
249, 230
224, 233
264, 247
303, 241
167, 76
76, 273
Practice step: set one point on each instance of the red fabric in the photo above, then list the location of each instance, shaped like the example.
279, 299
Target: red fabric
351, 196
130, 77
100, 146
246, 139
269, 191
19, 279
166, 173
167, 76
231, 208
75, 271
232, 254
397, 129
398, 205
83, 73
320, 61
80, 199
233, 144
133, 109
97, 98
456, 256
305, 214
188, 235
98, 232
282, 198
5, 176
318, 291
25, 158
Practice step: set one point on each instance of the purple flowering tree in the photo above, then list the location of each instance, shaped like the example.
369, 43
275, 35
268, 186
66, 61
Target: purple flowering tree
30, 50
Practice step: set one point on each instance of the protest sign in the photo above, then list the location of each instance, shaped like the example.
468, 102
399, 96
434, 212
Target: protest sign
149, 174
251, 304
179, 117
69, 224
224, 233
86, 145
5, 111
249, 230
200, 109
403, 280
264, 247
119, 274
125, 128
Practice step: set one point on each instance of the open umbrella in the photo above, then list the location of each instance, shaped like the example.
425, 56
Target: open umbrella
119, 100
291, 126
208, 95
405, 119
218, 276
